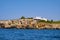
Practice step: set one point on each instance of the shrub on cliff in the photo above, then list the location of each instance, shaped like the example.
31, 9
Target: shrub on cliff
41, 21
22, 17
30, 18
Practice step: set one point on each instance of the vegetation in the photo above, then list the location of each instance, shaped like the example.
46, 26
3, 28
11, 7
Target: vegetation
30, 18
26, 18
56, 21
41, 21
48, 21
22, 17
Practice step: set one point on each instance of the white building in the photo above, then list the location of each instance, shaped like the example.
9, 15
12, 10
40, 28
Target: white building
40, 18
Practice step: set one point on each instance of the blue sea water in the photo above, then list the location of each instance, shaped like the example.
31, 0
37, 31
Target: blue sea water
29, 34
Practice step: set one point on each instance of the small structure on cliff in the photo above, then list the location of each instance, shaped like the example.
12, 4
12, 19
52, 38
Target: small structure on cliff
40, 18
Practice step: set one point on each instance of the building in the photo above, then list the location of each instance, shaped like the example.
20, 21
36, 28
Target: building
40, 18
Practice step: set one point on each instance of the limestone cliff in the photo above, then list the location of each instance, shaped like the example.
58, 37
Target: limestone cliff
28, 23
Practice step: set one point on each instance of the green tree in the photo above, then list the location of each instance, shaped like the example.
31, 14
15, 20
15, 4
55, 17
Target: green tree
51, 20
22, 17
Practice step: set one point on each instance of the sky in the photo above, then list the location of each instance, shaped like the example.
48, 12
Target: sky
12, 9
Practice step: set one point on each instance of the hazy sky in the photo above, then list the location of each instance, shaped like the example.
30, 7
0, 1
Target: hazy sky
11, 9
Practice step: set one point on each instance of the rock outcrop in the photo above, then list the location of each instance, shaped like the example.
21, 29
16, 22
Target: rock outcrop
28, 23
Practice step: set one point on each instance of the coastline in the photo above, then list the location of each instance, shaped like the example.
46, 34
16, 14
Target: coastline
28, 24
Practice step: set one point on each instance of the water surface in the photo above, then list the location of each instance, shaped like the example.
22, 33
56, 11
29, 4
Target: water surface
29, 34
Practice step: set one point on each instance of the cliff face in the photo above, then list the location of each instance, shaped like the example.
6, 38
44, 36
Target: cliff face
28, 23
48, 26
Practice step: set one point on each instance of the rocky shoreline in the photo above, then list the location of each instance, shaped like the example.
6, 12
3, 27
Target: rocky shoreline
28, 24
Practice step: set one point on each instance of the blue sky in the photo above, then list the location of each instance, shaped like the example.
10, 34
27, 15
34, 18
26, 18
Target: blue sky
11, 9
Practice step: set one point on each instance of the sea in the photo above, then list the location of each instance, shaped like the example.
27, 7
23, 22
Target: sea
29, 34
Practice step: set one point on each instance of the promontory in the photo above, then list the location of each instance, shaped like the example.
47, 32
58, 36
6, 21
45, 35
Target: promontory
30, 23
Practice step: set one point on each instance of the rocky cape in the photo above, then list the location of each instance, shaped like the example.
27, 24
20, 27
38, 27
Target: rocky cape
28, 24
